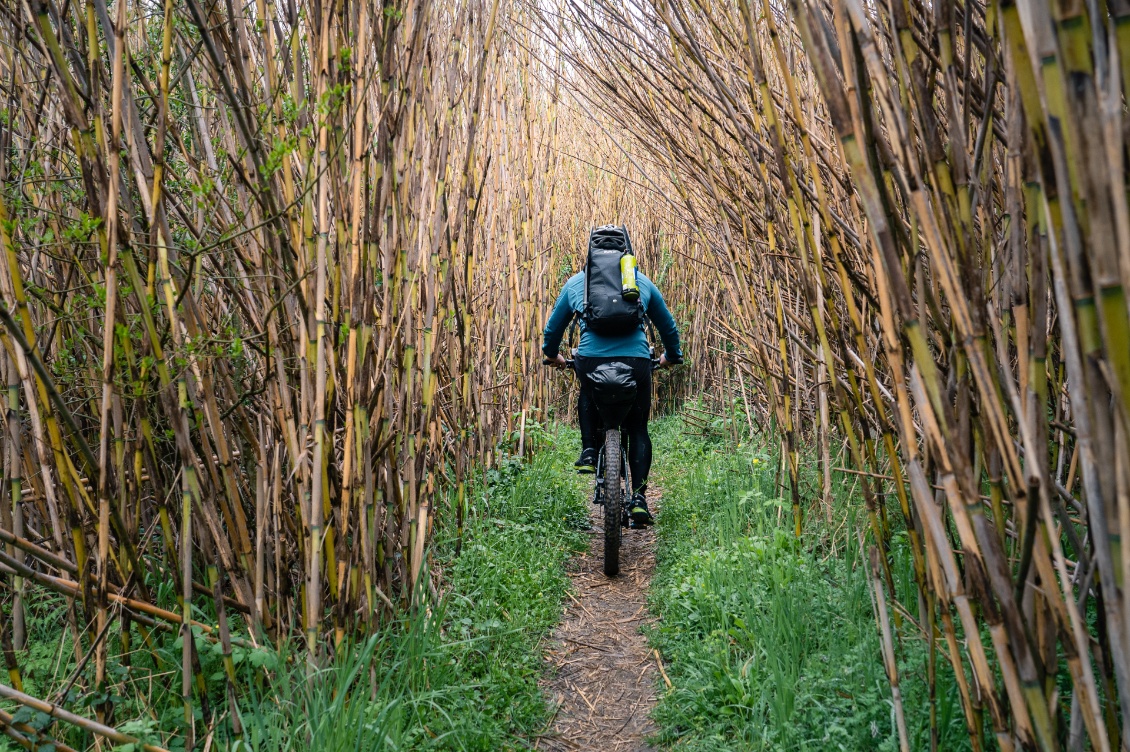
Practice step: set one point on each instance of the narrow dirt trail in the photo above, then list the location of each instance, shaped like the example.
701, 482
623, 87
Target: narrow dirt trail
602, 674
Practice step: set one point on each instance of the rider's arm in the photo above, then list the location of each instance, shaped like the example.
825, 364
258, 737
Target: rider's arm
558, 321
664, 323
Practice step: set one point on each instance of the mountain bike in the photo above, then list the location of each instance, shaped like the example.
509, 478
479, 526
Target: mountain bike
613, 487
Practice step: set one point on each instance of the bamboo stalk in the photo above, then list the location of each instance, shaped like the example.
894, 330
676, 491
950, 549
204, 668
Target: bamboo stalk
76, 720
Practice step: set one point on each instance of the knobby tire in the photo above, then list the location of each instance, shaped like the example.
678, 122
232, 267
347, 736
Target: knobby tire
613, 501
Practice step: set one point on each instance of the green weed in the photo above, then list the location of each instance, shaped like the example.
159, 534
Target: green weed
459, 673
771, 642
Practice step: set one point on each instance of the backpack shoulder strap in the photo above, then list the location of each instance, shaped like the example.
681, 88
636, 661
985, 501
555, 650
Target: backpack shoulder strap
585, 269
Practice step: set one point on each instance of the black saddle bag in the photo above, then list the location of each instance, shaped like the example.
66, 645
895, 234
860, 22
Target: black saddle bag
614, 389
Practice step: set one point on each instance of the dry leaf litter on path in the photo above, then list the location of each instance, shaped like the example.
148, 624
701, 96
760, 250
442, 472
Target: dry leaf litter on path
602, 675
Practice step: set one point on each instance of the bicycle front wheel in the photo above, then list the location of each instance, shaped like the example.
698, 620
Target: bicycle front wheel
613, 501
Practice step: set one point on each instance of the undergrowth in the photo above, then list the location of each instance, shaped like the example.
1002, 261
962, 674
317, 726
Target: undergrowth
459, 673
772, 642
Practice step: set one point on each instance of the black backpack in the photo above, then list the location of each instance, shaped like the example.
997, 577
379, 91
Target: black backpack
605, 310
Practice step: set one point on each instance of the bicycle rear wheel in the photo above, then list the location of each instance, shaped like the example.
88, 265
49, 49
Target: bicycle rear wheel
613, 501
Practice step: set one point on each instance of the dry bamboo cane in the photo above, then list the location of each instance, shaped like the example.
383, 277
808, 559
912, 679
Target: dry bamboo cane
67, 717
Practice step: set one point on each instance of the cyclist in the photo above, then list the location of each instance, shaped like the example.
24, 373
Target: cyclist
596, 350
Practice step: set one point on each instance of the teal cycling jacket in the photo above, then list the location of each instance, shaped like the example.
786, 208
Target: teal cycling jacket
571, 302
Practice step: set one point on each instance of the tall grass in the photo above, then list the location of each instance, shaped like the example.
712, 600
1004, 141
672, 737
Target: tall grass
458, 672
920, 226
271, 280
771, 642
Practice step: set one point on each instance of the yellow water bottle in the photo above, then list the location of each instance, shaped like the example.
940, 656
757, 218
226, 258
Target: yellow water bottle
629, 289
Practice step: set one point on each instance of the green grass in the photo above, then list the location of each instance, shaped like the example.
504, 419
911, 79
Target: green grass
771, 642
458, 674
463, 677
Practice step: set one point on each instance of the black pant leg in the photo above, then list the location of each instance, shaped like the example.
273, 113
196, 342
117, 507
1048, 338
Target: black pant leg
588, 419
635, 428
588, 416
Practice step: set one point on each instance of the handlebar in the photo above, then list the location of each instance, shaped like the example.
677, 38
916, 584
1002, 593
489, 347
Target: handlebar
569, 363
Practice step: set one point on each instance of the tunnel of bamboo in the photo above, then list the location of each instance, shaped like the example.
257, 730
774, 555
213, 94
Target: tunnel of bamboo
275, 275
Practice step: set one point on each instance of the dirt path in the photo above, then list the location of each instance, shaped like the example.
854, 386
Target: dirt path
602, 673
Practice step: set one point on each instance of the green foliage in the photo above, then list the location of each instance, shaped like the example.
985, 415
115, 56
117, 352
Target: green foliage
462, 674
458, 673
772, 645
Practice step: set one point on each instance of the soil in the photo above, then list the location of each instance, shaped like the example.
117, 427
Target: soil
602, 675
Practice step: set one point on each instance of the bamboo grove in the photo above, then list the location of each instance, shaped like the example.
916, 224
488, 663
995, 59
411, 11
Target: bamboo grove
274, 276
272, 286
919, 216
